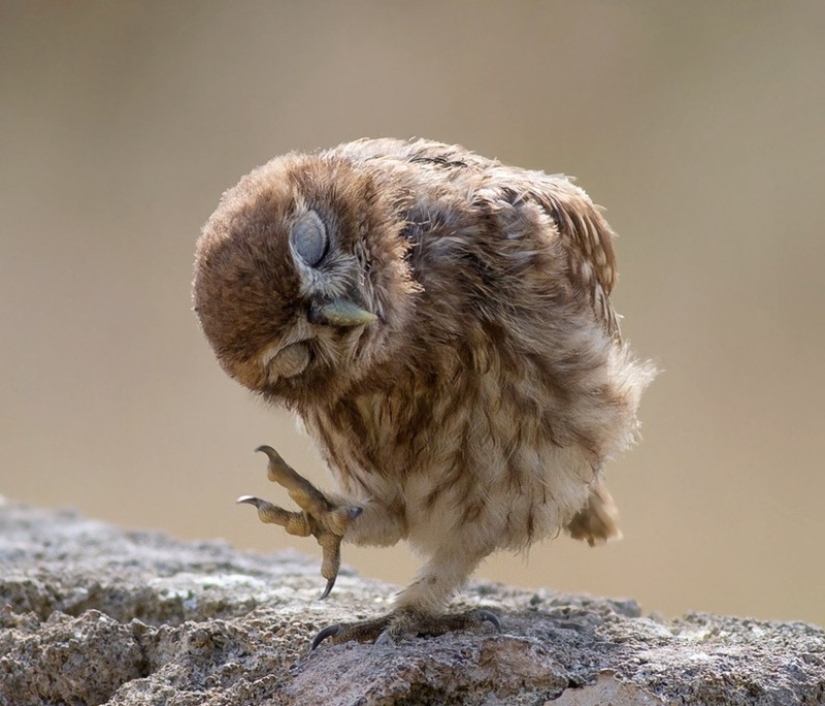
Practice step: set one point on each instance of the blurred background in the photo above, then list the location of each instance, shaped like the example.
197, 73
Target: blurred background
699, 126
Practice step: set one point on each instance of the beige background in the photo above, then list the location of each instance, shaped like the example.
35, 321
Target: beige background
698, 125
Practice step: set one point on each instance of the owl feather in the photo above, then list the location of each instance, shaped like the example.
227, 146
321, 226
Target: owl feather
442, 325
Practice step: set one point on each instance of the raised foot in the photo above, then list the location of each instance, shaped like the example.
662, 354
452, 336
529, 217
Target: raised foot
404, 623
319, 517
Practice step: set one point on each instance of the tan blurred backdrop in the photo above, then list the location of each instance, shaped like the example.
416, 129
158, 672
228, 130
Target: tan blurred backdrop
700, 126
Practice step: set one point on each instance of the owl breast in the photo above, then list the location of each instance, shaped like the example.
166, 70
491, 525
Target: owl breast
508, 386
464, 458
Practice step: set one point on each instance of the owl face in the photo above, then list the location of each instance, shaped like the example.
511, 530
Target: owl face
295, 277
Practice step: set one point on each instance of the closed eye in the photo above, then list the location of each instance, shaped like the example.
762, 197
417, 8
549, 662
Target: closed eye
308, 238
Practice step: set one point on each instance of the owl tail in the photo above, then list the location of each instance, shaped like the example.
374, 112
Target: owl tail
598, 521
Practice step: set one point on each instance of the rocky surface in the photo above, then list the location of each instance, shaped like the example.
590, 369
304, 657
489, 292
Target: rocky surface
92, 614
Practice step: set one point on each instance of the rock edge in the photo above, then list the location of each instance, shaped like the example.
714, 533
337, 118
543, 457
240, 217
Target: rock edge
93, 614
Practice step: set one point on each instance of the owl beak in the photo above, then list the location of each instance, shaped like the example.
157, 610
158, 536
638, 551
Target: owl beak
342, 312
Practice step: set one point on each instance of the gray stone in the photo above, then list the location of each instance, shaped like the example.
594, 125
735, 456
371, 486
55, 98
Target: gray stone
92, 614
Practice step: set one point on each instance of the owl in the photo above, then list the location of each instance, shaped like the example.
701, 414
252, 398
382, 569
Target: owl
441, 325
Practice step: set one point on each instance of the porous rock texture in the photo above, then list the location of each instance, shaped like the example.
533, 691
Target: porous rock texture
93, 614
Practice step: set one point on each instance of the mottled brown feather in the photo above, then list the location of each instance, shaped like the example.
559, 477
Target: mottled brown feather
477, 411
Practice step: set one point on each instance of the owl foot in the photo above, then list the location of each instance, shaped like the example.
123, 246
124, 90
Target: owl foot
401, 623
319, 517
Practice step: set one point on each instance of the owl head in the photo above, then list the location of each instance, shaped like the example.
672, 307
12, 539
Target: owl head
301, 285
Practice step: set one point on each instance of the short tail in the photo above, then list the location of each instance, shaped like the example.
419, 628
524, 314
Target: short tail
598, 521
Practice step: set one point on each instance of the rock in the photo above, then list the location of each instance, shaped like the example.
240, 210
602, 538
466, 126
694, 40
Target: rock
92, 614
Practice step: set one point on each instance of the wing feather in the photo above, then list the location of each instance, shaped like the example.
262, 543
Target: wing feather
589, 242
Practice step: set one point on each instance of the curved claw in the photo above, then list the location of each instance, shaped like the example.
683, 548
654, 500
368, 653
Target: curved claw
486, 615
328, 631
330, 584
271, 453
319, 517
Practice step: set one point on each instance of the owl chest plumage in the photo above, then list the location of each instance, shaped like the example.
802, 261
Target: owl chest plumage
466, 434
495, 415
463, 457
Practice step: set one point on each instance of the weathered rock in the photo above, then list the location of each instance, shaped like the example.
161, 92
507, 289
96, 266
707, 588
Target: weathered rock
92, 614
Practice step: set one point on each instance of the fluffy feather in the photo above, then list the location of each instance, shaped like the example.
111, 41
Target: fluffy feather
476, 408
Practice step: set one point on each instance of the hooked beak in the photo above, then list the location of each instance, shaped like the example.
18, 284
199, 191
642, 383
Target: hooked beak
343, 312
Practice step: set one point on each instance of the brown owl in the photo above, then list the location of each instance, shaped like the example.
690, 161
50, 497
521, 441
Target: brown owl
441, 324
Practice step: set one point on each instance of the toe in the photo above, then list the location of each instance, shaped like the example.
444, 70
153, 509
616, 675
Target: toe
405, 623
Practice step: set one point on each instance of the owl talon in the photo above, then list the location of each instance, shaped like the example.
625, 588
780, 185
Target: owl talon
330, 584
318, 517
492, 618
404, 623
328, 631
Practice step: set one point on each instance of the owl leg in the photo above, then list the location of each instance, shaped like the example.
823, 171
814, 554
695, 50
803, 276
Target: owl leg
418, 611
319, 517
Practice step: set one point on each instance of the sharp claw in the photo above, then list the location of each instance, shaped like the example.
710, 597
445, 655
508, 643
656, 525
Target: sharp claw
330, 584
319, 517
269, 451
486, 615
329, 631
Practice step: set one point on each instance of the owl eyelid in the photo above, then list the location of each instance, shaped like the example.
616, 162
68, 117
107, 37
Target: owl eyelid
308, 238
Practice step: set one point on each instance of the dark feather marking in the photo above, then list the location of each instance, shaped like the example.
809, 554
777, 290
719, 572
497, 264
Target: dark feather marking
439, 161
